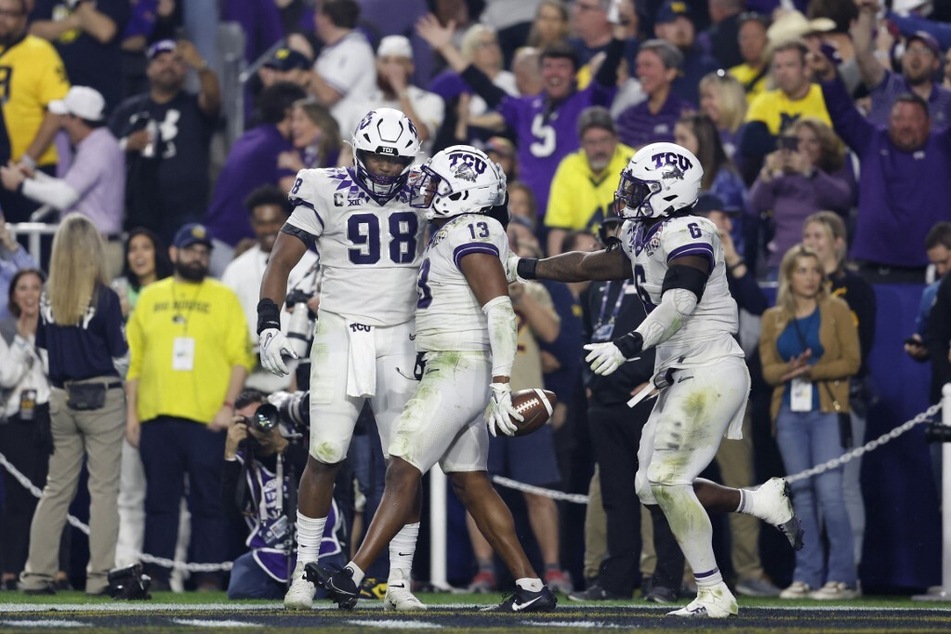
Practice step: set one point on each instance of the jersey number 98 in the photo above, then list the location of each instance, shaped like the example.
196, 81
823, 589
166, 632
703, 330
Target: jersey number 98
363, 231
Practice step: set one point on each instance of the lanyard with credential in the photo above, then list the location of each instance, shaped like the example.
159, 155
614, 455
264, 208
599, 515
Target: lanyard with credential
603, 331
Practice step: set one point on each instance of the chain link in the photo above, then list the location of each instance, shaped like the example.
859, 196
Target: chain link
84, 528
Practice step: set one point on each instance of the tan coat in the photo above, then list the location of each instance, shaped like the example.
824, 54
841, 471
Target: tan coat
840, 359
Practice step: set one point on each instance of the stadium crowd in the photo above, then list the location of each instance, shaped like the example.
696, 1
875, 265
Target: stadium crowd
823, 129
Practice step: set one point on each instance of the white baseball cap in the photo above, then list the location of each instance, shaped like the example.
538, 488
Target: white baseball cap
395, 46
81, 101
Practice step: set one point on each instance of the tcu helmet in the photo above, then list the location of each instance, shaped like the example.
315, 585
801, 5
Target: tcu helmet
660, 179
458, 180
387, 132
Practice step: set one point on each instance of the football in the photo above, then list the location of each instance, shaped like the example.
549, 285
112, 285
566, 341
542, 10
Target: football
535, 405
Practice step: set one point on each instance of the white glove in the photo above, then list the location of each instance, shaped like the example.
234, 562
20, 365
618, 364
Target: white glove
274, 346
511, 269
604, 358
499, 413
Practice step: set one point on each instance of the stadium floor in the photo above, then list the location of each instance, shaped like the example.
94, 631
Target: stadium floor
453, 618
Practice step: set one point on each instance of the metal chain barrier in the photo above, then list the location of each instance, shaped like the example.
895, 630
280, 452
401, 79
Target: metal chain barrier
77, 523
577, 498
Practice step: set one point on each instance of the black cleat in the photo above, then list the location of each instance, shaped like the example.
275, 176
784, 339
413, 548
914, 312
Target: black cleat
337, 581
526, 601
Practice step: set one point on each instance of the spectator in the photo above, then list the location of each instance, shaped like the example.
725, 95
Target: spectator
511, 20
268, 209
904, 169
88, 36
582, 191
674, 23
697, 133
658, 63
753, 69
251, 163
316, 139
550, 24
501, 150
285, 65
146, 261
464, 113
36, 77
938, 249
81, 332
394, 71
544, 125
344, 71
25, 437
722, 37
809, 346
824, 233
723, 100
254, 459
166, 134
13, 258
526, 68
806, 174
920, 63
384, 17
594, 32
523, 208
937, 336
774, 110
94, 184
198, 324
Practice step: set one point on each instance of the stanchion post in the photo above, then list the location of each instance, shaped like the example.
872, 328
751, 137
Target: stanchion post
946, 495
438, 529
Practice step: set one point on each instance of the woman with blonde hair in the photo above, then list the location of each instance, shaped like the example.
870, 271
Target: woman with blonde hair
723, 100
81, 333
552, 24
809, 347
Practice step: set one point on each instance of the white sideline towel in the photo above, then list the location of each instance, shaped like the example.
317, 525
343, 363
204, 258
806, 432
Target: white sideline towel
361, 372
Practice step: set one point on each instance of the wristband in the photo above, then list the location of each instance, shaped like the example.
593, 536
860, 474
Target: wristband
630, 344
269, 315
526, 268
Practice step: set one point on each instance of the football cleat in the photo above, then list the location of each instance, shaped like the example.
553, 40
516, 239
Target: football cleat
300, 595
775, 507
526, 601
337, 581
399, 599
716, 602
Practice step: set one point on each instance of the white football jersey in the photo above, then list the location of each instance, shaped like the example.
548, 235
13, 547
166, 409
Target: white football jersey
708, 333
369, 253
448, 315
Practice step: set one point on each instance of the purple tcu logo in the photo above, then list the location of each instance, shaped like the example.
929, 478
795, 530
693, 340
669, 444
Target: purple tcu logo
466, 166
672, 158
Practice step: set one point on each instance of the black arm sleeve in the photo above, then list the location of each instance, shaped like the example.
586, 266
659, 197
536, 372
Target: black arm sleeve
747, 293
480, 82
607, 73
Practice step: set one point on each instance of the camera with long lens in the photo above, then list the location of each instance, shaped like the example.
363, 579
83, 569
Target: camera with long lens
300, 332
937, 432
291, 410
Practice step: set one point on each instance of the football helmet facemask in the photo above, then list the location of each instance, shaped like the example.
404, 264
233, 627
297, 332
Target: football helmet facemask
660, 178
458, 180
389, 133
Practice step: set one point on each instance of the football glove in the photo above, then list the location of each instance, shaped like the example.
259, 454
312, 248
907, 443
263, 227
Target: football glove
274, 346
511, 269
604, 358
499, 413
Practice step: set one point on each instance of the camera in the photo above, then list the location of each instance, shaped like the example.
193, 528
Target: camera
264, 419
300, 332
291, 410
937, 432
790, 143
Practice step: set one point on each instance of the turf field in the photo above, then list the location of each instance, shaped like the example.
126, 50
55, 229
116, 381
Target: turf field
452, 613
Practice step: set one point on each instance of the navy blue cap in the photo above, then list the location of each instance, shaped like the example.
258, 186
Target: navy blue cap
671, 10
192, 233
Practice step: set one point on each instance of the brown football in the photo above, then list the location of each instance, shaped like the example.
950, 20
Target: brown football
536, 406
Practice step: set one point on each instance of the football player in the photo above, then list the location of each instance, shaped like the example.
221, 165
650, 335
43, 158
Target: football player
676, 261
370, 241
466, 330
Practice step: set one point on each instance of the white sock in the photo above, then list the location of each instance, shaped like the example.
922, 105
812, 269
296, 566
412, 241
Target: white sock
357, 574
530, 584
402, 549
310, 531
708, 579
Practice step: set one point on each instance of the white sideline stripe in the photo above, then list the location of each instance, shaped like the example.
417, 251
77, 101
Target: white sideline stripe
45, 623
393, 624
203, 623
601, 625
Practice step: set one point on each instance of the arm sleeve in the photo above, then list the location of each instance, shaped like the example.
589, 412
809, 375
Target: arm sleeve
483, 86
831, 192
847, 121
747, 293
503, 334
13, 362
848, 337
668, 317
607, 73
51, 191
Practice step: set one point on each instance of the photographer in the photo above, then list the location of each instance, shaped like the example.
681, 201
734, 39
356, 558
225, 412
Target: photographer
262, 448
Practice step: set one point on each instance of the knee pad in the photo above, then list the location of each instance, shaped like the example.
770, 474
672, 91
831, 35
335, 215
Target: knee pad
328, 451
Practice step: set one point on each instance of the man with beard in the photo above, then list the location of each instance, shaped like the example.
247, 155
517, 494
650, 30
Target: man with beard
189, 359
394, 70
166, 134
31, 76
920, 64
582, 191
269, 210
904, 172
